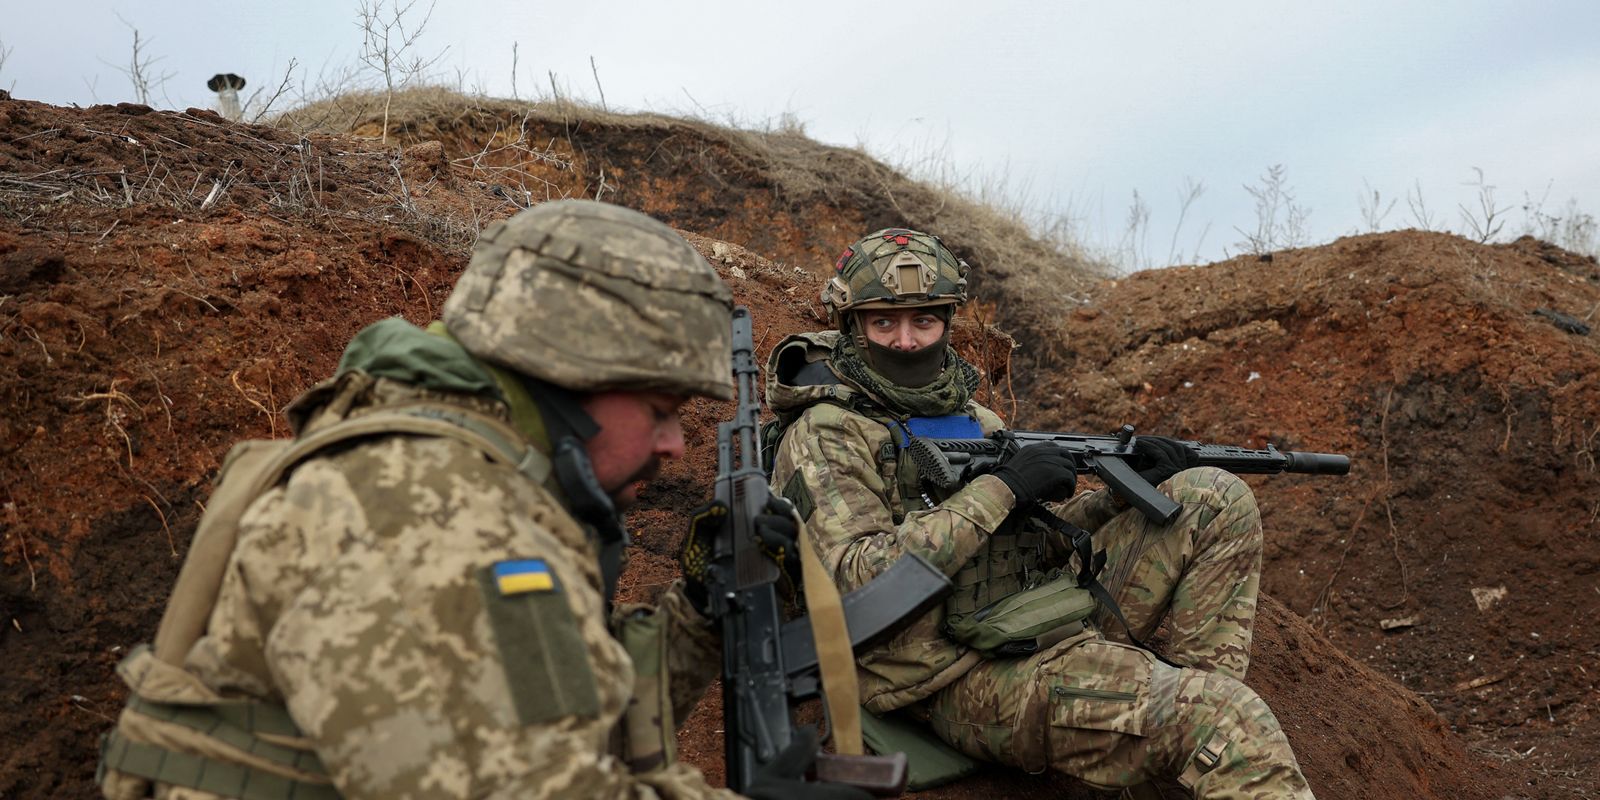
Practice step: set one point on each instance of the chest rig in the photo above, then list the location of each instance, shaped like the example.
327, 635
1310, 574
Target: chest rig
1013, 559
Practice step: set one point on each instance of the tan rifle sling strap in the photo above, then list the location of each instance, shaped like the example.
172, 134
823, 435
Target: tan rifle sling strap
836, 660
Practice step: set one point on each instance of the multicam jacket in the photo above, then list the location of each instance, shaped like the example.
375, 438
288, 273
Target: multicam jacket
838, 462
433, 622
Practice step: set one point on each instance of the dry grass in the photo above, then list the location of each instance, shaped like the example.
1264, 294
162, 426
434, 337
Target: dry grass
1032, 282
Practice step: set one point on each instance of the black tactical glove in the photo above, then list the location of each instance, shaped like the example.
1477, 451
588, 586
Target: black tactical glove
1039, 474
775, 528
1157, 458
783, 778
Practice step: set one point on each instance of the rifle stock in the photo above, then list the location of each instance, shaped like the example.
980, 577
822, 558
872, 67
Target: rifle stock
883, 776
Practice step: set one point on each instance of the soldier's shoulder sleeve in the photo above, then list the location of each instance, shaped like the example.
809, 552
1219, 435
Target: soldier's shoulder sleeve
828, 462
448, 638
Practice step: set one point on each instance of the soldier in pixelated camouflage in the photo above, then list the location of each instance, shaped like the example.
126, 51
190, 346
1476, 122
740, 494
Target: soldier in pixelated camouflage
1084, 701
411, 599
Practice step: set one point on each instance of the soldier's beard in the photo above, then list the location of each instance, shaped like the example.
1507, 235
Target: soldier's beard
626, 495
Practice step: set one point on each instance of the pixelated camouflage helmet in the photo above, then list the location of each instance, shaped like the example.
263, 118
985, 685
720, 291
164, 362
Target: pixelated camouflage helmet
595, 297
894, 268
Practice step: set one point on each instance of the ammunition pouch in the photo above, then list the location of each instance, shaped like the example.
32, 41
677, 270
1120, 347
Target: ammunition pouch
1027, 621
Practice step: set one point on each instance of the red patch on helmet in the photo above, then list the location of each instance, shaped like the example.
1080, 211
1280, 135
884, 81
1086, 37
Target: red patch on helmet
838, 266
899, 236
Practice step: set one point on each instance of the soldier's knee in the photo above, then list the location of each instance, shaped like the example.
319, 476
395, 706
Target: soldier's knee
1211, 484
1206, 697
1227, 737
1219, 496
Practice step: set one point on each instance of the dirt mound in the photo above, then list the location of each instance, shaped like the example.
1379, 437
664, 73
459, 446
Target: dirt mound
169, 281
777, 192
1461, 556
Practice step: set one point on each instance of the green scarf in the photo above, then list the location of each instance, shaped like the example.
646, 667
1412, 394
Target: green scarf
947, 394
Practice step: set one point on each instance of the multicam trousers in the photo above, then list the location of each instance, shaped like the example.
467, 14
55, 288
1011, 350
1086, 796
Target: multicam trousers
1113, 715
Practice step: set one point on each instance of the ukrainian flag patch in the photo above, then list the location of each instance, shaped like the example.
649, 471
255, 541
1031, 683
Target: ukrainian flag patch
523, 576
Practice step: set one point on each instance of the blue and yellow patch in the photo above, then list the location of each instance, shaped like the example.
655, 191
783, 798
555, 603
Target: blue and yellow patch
522, 576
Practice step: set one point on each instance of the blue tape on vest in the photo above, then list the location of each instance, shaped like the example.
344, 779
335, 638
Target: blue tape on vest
955, 426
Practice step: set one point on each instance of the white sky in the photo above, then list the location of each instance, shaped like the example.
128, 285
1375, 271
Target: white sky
1068, 107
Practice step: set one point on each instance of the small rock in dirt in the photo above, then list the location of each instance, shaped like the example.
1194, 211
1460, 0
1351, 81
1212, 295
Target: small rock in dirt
1487, 597
1397, 623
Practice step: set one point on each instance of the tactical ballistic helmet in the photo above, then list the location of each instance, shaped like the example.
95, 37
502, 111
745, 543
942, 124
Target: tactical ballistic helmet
894, 268
595, 297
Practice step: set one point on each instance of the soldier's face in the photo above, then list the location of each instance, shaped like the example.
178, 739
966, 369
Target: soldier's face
907, 329
638, 430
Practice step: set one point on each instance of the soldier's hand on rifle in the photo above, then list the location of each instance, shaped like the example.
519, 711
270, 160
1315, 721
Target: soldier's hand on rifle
783, 778
1039, 474
776, 527
1158, 458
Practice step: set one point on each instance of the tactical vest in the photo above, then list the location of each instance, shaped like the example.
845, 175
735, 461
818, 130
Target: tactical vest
176, 730
1010, 561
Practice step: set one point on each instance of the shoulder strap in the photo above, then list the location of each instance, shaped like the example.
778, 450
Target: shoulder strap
253, 467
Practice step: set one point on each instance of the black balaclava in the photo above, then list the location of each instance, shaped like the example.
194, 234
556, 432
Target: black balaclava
909, 369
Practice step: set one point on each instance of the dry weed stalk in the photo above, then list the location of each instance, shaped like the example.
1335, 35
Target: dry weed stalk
1388, 506
1488, 219
1324, 596
13, 524
277, 94
272, 413
388, 36
112, 396
171, 544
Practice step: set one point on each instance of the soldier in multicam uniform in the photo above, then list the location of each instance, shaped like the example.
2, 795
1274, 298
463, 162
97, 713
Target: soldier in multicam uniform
1091, 705
412, 599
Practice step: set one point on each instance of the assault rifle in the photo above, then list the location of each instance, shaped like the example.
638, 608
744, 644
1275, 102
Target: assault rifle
950, 463
767, 663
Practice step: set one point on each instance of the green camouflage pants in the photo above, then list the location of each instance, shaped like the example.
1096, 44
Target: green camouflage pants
1113, 715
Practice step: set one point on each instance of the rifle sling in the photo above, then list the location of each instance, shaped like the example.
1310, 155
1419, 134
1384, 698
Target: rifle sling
907, 590
1090, 564
835, 657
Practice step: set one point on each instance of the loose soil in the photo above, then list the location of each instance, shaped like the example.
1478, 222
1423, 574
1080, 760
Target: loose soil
168, 281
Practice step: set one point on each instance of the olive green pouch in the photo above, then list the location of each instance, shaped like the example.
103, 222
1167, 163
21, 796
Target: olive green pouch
929, 761
1026, 622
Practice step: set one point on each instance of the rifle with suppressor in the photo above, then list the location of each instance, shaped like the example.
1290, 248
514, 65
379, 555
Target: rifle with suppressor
951, 463
767, 663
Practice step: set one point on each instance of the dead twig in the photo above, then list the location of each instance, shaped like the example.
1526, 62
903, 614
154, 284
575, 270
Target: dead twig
171, 545
31, 334
161, 394
1388, 507
1508, 412
78, 702
272, 414
596, 71
1325, 595
22, 540
112, 396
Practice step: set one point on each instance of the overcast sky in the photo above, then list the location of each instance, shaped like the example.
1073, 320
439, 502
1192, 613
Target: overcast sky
1069, 107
